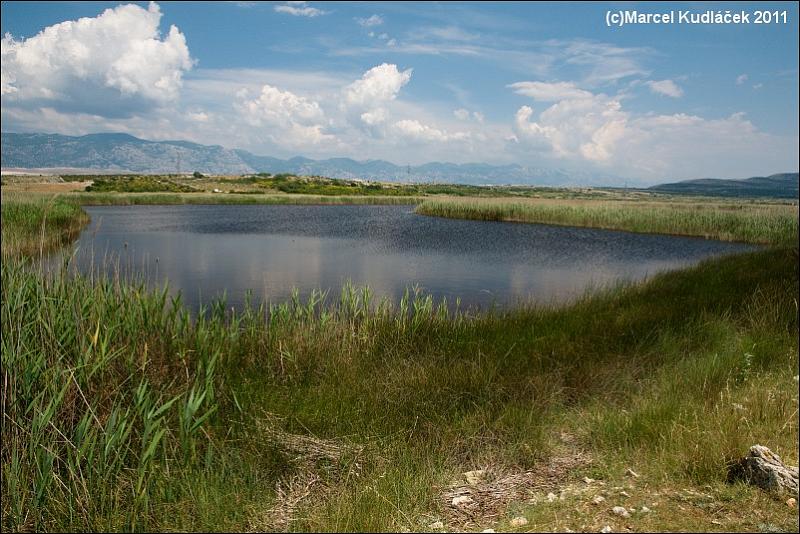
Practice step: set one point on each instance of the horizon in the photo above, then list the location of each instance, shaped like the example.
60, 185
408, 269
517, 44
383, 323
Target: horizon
557, 89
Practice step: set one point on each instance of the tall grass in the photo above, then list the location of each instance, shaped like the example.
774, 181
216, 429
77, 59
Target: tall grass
122, 412
39, 224
751, 223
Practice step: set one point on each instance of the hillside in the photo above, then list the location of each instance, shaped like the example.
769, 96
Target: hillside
784, 185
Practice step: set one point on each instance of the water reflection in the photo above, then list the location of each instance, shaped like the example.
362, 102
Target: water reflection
205, 251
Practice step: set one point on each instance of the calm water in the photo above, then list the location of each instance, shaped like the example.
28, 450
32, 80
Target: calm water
205, 251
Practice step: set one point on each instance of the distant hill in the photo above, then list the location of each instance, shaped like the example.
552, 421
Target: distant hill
125, 153
783, 185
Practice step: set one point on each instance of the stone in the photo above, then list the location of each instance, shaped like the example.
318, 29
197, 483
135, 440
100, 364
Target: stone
763, 468
588, 480
462, 500
645, 509
475, 477
487, 530
598, 499
436, 525
631, 473
624, 493
606, 529
620, 511
518, 521
551, 497
791, 503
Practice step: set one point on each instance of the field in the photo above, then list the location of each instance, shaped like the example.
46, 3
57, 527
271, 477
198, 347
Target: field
122, 412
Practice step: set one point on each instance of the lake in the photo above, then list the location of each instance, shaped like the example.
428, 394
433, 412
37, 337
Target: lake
210, 250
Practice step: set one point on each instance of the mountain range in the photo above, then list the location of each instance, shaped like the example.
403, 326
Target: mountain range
123, 153
116, 152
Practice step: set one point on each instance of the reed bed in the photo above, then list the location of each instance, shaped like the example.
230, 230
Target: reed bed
120, 411
746, 222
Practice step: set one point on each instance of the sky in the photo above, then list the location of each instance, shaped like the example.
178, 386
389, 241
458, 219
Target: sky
546, 85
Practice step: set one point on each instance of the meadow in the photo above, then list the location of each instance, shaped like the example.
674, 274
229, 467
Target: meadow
123, 412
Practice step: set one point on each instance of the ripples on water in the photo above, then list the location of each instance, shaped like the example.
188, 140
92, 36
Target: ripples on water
205, 251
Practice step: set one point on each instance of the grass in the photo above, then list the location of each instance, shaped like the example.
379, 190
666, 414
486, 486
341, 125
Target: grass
727, 221
121, 412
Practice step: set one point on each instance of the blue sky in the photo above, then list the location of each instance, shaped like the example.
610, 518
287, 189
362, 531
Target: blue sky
544, 85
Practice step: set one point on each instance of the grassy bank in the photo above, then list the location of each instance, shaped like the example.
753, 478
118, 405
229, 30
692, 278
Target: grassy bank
119, 412
130, 199
39, 224
727, 221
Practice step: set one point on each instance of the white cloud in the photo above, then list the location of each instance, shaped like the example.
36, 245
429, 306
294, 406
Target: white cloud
365, 100
109, 63
666, 88
299, 9
374, 20
415, 130
741, 79
289, 119
758, 86
463, 114
549, 92
599, 132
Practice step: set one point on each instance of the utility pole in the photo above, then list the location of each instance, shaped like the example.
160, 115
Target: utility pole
178, 164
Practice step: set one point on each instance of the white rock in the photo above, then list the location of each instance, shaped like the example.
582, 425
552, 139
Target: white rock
475, 477
645, 509
462, 500
588, 480
606, 529
487, 530
518, 521
436, 525
551, 497
620, 511
598, 499
631, 473
624, 493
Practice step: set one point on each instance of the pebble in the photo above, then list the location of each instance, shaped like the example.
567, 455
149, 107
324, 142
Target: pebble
588, 480
645, 510
620, 511
551, 497
599, 499
475, 477
437, 525
606, 529
624, 493
791, 503
462, 500
487, 530
518, 521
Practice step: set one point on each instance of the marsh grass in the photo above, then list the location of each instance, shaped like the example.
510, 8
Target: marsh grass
748, 222
121, 412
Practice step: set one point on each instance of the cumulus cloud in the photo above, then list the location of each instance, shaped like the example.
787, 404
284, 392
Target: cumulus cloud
374, 20
583, 127
465, 115
116, 60
365, 100
598, 131
417, 131
741, 79
549, 92
666, 88
299, 9
288, 119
